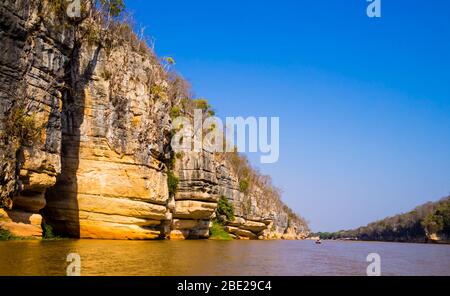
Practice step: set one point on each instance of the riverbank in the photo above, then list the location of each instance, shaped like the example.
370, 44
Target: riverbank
435, 242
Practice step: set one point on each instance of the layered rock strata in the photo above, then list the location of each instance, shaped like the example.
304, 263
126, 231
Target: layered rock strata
98, 167
32, 63
113, 184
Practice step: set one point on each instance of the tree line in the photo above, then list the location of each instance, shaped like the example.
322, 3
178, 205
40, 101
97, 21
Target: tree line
428, 222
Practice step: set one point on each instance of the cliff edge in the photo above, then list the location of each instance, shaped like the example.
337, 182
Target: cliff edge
86, 113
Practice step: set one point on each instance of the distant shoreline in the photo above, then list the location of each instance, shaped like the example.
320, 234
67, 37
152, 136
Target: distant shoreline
444, 242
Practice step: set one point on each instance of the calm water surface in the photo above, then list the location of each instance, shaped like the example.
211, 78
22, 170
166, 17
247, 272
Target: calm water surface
221, 258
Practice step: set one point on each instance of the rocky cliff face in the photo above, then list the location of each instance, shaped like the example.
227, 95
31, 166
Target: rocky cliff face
204, 178
32, 63
196, 198
114, 132
97, 167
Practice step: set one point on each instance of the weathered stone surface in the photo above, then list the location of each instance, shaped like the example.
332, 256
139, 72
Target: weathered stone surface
228, 185
21, 223
179, 224
241, 233
196, 197
31, 204
36, 182
32, 61
197, 175
180, 234
238, 221
252, 226
72, 215
202, 196
290, 234
41, 161
190, 209
114, 180
115, 137
199, 233
107, 230
106, 205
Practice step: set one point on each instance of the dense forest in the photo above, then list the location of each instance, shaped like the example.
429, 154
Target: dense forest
426, 223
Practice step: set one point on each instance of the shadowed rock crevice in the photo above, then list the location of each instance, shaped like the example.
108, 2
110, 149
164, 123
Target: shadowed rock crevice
111, 185
66, 221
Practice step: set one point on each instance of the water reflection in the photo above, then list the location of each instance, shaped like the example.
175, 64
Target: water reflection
220, 258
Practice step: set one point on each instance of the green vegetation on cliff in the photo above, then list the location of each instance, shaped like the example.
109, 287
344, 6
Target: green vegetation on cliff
23, 127
113, 7
175, 112
6, 235
172, 179
438, 222
172, 183
48, 233
225, 208
243, 185
217, 232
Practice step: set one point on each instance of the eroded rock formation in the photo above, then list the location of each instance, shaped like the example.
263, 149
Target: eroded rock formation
32, 63
98, 168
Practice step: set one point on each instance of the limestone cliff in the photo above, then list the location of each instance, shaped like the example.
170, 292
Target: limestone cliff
32, 64
86, 134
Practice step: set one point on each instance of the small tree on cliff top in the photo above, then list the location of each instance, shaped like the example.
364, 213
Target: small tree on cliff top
113, 7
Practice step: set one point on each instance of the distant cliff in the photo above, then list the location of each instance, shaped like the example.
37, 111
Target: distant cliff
429, 222
86, 110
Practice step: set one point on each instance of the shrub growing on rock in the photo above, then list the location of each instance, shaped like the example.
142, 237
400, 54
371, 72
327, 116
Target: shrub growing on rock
23, 126
113, 7
5, 235
217, 232
244, 185
47, 232
225, 208
175, 112
172, 183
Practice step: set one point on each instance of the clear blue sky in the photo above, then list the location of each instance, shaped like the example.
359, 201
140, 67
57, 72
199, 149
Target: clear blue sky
364, 104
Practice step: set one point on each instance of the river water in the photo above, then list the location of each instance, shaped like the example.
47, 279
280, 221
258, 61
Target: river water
221, 257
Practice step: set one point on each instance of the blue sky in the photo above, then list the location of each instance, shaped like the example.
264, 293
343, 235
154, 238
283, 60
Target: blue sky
364, 104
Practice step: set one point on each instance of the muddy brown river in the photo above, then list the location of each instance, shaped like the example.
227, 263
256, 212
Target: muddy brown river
221, 258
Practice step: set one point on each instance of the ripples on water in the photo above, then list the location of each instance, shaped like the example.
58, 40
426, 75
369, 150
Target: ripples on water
221, 258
